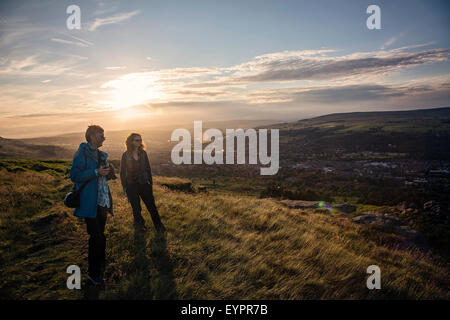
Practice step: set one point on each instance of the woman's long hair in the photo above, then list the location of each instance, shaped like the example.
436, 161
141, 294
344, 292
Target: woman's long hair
129, 143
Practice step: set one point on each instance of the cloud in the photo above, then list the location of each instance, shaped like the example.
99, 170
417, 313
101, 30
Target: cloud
199, 93
116, 68
319, 75
103, 8
388, 43
300, 103
418, 91
340, 67
35, 65
278, 85
16, 31
79, 42
41, 115
294, 53
317, 65
112, 20
88, 43
31, 66
391, 41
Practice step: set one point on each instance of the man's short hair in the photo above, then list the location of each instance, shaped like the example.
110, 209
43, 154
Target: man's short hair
93, 130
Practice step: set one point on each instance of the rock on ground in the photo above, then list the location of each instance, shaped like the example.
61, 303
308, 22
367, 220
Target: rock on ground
389, 223
301, 204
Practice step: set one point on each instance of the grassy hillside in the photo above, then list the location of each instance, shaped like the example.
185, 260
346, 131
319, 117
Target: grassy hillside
420, 120
217, 246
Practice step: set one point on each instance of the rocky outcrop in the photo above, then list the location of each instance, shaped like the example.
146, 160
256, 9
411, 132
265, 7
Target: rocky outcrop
433, 210
405, 207
391, 224
301, 204
378, 219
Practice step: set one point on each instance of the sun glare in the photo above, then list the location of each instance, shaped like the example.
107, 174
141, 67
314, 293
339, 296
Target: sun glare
131, 90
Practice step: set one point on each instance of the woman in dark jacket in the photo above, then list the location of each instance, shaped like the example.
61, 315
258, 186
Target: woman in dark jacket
137, 182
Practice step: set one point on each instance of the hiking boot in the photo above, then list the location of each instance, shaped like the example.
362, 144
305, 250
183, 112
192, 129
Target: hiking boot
97, 281
140, 227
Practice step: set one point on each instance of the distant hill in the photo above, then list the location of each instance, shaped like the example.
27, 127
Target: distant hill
417, 134
409, 120
63, 146
15, 148
422, 134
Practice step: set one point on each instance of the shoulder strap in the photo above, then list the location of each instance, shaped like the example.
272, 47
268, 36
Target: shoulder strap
99, 158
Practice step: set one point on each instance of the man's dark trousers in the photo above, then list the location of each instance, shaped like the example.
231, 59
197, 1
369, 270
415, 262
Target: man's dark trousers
97, 242
144, 191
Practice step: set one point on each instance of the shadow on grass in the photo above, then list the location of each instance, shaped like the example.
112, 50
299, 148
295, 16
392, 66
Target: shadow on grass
152, 276
149, 275
139, 284
164, 280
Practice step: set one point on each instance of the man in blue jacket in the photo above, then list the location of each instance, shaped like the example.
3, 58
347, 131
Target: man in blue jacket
90, 164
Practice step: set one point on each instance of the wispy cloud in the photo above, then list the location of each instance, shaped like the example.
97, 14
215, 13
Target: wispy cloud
78, 42
98, 22
17, 32
341, 67
31, 66
391, 41
310, 66
104, 7
116, 68
88, 43
35, 65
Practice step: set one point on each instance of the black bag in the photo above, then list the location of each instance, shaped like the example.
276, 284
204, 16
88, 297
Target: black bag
72, 199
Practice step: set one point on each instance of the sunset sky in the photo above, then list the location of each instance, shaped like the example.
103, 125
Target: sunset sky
137, 64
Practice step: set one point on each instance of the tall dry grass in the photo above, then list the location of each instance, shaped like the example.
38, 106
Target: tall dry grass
226, 246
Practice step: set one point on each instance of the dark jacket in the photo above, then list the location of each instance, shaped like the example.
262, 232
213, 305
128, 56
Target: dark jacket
84, 164
144, 169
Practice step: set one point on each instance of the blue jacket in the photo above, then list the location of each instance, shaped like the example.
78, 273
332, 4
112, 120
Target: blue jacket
84, 167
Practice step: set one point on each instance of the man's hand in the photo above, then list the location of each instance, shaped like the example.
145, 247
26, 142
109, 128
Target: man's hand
103, 171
